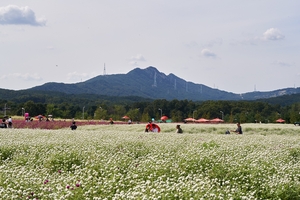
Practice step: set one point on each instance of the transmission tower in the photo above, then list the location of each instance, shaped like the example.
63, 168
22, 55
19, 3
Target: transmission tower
104, 70
154, 84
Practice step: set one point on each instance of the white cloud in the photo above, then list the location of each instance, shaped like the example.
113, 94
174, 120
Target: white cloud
12, 14
138, 57
273, 34
26, 76
75, 76
135, 59
208, 53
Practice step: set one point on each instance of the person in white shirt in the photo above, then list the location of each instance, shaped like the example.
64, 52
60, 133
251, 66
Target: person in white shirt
9, 122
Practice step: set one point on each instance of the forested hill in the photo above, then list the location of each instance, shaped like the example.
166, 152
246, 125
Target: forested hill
23, 96
150, 83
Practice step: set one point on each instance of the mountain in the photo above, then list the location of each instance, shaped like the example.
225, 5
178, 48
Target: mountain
150, 83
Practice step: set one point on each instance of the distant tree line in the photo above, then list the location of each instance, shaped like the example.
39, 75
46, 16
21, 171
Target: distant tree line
177, 110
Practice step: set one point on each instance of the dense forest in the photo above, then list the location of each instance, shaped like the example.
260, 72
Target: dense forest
139, 109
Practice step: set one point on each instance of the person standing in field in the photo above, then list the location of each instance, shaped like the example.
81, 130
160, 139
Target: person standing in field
9, 121
238, 130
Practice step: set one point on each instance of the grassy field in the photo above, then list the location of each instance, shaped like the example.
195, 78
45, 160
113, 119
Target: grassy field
123, 162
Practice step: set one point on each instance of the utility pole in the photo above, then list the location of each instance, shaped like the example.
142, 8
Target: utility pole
83, 112
160, 112
23, 112
222, 114
5, 108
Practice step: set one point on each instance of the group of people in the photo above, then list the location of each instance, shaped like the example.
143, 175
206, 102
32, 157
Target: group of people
152, 127
6, 123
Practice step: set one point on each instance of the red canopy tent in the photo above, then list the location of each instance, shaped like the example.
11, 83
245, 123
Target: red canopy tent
125, 117
216, 120
202, 120
189, 119
164, 118
280, 120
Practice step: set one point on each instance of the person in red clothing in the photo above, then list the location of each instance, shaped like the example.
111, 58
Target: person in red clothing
151, 127
148, 127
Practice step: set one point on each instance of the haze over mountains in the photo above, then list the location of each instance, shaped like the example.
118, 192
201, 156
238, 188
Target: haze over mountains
150, 83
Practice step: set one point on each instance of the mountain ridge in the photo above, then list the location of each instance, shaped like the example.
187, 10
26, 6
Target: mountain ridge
151, 83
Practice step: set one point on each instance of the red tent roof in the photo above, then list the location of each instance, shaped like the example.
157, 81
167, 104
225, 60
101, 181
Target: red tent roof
202, 120
280, 120
190, 119
164, 118
217, 120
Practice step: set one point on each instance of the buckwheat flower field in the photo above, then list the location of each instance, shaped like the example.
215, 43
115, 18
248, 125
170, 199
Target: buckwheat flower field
123, 162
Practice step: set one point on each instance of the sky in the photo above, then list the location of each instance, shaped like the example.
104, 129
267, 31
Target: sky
237, 46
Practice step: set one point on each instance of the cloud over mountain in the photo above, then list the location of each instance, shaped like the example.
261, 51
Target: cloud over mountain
135, 59
77, 76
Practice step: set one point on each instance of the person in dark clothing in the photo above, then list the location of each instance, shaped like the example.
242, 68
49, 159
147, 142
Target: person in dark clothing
73, 126
179, 130
3, 124
239, 129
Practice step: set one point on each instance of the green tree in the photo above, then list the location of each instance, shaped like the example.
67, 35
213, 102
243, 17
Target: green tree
35, 108
100, 113
134, 114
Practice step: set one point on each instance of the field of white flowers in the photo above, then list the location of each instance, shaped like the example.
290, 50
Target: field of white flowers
123, 162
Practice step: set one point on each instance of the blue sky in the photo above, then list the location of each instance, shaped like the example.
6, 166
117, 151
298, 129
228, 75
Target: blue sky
236, 46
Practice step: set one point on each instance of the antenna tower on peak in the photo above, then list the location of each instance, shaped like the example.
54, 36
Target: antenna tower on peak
154, 84
104, 70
